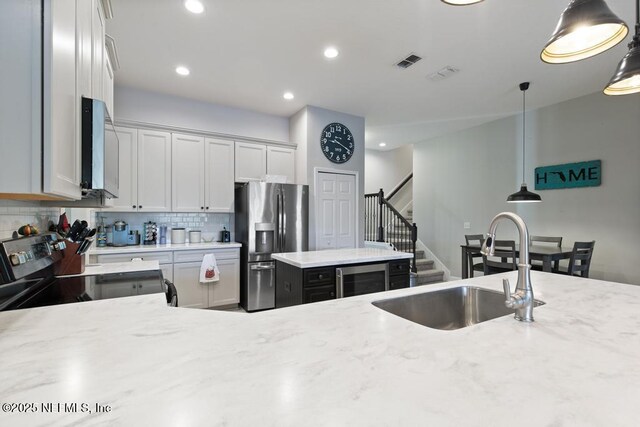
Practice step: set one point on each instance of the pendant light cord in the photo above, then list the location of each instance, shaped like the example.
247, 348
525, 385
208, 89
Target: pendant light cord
523, 131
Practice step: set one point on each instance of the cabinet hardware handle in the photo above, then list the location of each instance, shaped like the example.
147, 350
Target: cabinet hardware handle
207, 207
201, 207
134, 206
320, 276
139, 206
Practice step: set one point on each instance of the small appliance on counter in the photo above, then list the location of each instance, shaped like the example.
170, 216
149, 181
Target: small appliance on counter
133, 238
225, 235
120, 233
195, 236
178, 236
163, 234
150, 232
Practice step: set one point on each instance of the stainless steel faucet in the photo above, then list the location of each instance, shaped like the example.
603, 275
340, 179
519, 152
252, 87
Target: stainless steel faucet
522, 299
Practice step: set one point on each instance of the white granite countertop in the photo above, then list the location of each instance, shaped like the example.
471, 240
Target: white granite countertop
339, 363
117, 267
339, 257
162, 248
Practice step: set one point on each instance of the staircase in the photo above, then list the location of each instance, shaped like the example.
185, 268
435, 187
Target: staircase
424, 272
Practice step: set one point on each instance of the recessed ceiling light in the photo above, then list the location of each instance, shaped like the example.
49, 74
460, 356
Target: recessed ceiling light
382, 144
331, 52
183, 71
194, 6
288, 96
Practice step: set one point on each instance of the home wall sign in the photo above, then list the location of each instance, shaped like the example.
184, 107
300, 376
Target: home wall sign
569, 175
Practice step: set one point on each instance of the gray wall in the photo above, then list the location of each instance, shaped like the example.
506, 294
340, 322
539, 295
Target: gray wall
314, 119
466, 177
152, 107
386, 169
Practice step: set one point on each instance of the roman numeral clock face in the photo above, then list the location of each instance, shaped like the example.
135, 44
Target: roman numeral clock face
337, 143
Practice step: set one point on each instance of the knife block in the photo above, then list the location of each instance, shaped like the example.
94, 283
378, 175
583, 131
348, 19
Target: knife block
71, 262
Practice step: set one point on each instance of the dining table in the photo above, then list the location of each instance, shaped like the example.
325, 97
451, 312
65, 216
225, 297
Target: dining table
547, 254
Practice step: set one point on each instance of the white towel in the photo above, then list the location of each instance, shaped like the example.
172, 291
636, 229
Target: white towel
209, 269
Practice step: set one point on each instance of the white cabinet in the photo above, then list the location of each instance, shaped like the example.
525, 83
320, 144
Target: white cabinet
98, 51
282, 161
187, 177
191, 293
226, 291
61, 147
154, 171
250, 161
127, 169
167, 271
219, 175
108, 85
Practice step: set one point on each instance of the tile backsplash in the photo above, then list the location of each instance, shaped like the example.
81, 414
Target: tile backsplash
14, 214
210, 224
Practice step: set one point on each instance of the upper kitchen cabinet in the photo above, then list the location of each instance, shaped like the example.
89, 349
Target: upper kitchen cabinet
97, 53
187, 177
254, 161
154, 171
282, 161
127, 200
202, 174
251, 161
219, 175
48, 53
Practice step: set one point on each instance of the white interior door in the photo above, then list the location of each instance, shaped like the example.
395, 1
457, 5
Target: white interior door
335, 208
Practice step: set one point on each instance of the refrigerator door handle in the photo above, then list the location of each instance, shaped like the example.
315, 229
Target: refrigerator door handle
339, 283
280, 223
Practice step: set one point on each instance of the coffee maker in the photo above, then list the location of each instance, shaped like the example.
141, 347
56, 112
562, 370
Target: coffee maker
120, 233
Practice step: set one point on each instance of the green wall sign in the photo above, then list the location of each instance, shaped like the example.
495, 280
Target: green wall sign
569, 175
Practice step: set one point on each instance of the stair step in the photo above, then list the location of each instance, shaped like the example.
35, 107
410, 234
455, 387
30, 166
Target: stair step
420, 254
424, 264
427, 277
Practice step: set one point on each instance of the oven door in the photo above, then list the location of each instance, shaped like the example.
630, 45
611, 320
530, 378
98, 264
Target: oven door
362, 279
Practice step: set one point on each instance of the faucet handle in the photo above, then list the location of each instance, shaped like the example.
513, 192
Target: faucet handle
507, 289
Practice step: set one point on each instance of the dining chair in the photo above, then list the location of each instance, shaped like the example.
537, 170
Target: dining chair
506, 251
474, 240
536, 240
580, 260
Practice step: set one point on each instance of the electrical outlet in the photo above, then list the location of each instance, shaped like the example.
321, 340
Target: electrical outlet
467, 225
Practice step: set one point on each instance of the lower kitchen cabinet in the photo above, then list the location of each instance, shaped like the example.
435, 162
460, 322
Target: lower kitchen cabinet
226, 291
318, 293
191, 293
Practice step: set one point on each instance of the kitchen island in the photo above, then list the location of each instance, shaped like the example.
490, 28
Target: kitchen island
340, 362
313, 276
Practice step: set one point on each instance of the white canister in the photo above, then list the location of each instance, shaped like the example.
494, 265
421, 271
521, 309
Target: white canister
195, 236
178, 236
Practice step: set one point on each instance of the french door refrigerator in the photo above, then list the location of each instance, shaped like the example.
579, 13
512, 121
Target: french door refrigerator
269, 218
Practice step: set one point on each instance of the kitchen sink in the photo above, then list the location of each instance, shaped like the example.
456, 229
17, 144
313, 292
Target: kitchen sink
449, 309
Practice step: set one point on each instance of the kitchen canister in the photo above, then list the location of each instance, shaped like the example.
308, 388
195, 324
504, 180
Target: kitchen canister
195, 236
178, 236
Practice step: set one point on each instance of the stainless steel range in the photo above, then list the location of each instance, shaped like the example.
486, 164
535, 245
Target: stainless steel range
27, 277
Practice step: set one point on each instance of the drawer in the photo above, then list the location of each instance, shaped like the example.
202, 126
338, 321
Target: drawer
399, 282
196, 256
399, 267
161, 257
319, 276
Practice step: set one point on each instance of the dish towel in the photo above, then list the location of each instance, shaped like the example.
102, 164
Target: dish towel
209, 269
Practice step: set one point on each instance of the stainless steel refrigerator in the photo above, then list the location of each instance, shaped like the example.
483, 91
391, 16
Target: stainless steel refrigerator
269, 218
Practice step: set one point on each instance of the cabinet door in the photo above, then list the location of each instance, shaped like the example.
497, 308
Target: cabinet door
226, 290
127, 200
61, 148
108, 77
187, 173
154, 171
251, 161
282, 161
319, 293
167, 271
219, 175
191, 294
97, 53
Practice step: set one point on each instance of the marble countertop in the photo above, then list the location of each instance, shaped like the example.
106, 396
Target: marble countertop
162, 248
117, 267
340, 362
339, 257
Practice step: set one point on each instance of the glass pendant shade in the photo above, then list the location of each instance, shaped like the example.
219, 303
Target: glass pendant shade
524, 196
461, 2
586, 28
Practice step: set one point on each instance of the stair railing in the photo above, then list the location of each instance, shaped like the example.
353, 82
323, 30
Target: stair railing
384, 223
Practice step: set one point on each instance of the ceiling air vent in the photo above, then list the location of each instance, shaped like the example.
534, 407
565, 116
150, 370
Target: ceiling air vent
408, 61
443, 73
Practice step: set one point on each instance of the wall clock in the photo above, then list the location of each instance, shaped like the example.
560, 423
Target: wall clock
337, 143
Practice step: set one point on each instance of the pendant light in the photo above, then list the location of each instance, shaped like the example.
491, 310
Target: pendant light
461, 2
524, 195
586, 28
626, 79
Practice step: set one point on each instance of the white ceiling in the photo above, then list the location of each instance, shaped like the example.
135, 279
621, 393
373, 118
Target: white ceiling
247, 53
